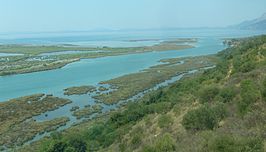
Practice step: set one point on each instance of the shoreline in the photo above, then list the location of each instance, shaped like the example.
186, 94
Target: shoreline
172, 63
20, 65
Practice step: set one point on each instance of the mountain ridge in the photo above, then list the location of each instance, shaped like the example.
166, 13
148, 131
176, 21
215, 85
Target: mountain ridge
255, 24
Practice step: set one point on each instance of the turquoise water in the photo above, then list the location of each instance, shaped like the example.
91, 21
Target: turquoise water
9, 54
93, 71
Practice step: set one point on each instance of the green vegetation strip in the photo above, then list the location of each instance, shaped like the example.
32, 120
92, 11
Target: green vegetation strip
130, 85
28, 62
79, 90
87, 111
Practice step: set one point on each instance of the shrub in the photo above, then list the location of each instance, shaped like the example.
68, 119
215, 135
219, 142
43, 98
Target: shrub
56, 135
263, 92
247, 66
136, 141
77, 144
155, 97
208, 93
70, 145
249, 94
166, 143
203, 118
227, 94
122, 146
148, 148
58, 147
165, 121
226, 143
70, 149
219, 111
101, 133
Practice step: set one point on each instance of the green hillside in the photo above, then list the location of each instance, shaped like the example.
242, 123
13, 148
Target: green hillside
222, 109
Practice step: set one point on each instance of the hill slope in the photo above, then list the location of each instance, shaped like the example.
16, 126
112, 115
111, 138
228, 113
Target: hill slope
256, 24
221, 109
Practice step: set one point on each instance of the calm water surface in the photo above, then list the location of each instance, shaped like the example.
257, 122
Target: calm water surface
93, 71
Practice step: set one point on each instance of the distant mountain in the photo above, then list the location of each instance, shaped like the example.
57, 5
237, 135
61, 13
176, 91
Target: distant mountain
256, 24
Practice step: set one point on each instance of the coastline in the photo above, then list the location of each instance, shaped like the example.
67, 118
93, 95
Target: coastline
28, 63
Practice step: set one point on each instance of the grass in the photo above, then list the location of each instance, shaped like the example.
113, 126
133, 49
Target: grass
101, 88
87, 111
15, 112
129, 85
38, 49
79, 90
16, 136
22, 64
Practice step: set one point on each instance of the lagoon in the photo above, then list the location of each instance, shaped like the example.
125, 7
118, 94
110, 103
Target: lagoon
93, 71
9, 54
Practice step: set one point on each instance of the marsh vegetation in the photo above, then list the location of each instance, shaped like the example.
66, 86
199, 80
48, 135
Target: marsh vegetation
31, 61
221, 109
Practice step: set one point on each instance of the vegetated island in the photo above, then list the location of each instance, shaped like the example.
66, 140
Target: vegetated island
79, 90
87, 111
33, 59
132, 84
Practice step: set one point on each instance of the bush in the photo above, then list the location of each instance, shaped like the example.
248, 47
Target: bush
56, 135
148, 148
136, 141
249, 94
58, 147
263, 92
208, 93
227, 94
165, 144
203, 118
165, 121
77, 144
219, 111
247, 66
226, 143
155, 97
102, 133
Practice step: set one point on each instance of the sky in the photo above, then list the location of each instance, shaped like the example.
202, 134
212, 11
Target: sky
78, 15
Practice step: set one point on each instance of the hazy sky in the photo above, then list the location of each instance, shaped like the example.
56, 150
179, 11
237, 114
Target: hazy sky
64, 15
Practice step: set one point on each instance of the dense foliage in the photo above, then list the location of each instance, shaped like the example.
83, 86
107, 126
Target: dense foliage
203, 118
227, 143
